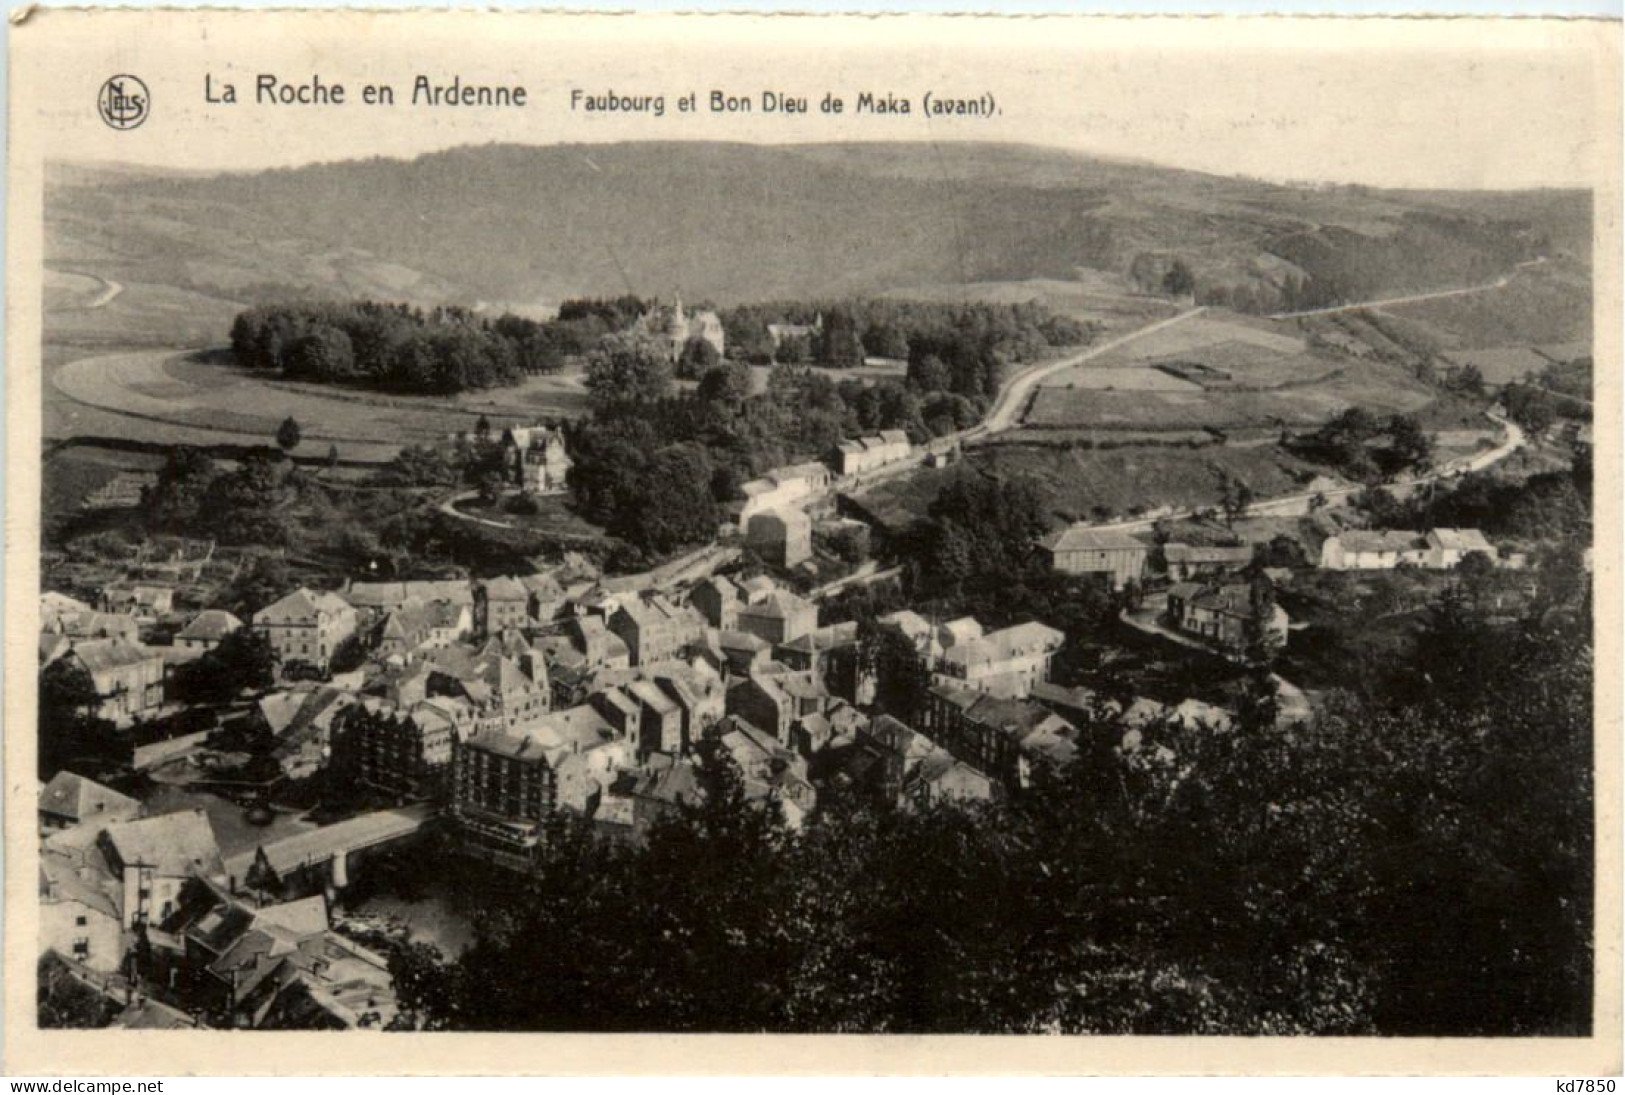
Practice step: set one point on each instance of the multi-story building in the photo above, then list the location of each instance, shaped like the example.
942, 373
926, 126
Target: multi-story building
406, 754
1004, 738
505, 784
782, 537
719, 601
501, 603
307, 625
1223, 614
152, 859
672, 328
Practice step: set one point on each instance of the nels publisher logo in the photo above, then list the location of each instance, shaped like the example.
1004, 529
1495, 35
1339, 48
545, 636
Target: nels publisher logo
123, 102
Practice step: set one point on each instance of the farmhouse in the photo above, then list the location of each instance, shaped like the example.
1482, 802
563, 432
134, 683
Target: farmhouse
866, 453
1439, 549
1084, 550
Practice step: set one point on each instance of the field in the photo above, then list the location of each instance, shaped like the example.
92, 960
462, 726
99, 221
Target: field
1233, 373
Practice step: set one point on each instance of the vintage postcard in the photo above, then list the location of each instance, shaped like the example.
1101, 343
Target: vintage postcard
589, 544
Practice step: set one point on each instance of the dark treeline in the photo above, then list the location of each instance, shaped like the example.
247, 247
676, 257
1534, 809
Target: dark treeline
1261, 881
405, 349
1339, 266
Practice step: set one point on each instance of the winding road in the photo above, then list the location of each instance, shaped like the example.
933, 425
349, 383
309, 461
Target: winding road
1415, 298
1006, 411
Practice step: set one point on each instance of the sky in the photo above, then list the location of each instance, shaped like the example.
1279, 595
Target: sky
1407, 103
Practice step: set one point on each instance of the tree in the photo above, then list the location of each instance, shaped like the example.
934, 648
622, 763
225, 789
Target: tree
288, 435
627, 369
489, 486
902, 680
839, 345
418, 466
243, 660
1409, 445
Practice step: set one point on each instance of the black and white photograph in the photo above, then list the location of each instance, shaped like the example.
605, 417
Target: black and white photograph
962, 536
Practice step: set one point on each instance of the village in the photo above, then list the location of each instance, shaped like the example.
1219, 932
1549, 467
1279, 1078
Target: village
488, 709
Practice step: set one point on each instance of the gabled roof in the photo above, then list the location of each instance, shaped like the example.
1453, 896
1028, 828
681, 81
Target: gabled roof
79, 799
301, 606
210, 625
506, 589
176, 845
1022, 640
1462, 539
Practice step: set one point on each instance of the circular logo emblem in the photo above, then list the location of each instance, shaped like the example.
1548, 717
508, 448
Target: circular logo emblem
123, 102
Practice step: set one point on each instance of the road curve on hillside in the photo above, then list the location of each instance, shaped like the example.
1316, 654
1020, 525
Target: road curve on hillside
1006, 410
